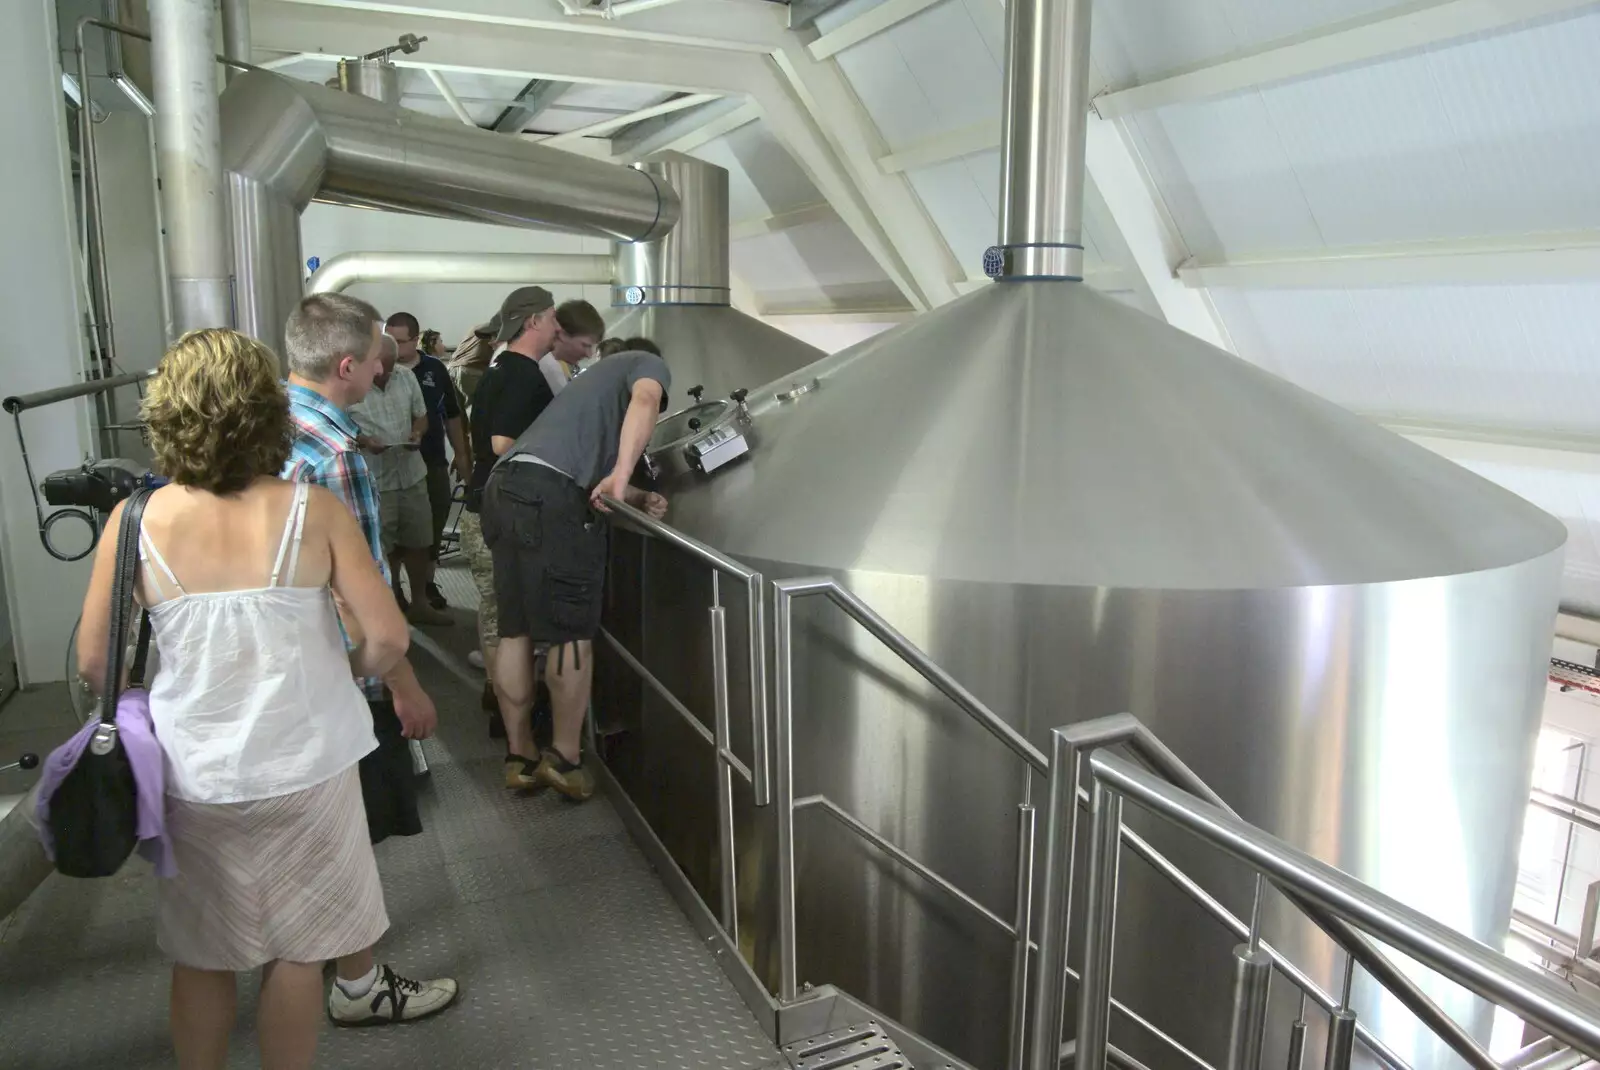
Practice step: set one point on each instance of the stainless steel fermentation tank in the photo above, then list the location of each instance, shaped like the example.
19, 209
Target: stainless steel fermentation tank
1080, 511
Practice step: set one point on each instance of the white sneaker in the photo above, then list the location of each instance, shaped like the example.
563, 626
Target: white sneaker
392, 999
475, 658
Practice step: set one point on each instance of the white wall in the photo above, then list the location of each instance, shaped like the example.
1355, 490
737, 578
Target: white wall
327, 230
39, 304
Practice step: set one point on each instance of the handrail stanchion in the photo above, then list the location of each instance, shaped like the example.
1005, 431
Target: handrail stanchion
1252, 988
1342, 1025
1099, 929
760, 748
788, 967
1297, 1037
726, 854
1026, 820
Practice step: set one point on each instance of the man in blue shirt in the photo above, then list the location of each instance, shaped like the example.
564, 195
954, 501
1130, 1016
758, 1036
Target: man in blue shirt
444, 417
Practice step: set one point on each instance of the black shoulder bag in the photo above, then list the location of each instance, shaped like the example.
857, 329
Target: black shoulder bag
94, 813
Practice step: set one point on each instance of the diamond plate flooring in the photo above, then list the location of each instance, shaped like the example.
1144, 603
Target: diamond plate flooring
569, 950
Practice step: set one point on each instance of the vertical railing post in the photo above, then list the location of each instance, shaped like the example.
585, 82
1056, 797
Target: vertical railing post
760, 749
726, 850
1342, 1023
1099, 929
1252, 987
1060, 839
1297, 1037
788, 966
1026, 820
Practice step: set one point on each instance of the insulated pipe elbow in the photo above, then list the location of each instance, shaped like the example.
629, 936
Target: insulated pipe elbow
347, 269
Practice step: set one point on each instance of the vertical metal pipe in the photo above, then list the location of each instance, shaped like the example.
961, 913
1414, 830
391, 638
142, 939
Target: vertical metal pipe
760, 744
1046, 111
189, 152
1099, 928
1026, 820
92, 222
788, 966
1061, 837
236, 32
1252, 987
727, 856
1297, 1037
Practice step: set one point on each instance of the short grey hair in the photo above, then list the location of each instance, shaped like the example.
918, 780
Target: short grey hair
391, 348
325, 328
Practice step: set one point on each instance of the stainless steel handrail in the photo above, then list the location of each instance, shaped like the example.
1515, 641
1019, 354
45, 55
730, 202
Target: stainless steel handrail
755, 595
1571, 809
786, 591
1068, 746
1531, 995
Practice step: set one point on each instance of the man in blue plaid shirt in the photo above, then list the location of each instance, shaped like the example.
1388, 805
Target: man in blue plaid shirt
333, 347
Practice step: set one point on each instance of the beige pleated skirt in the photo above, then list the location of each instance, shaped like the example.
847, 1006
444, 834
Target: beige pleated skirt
290, 878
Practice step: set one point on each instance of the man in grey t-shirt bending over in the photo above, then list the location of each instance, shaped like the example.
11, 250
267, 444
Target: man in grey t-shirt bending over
549, 552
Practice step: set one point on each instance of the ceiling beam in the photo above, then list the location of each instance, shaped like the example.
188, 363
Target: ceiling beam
683, 131
453, 44
1538, 258
804, 13
1121, 189
1348, 44
617, 122
740, 25
533, 98
951, 145
867, 24
450, 97
781, 221
821, 88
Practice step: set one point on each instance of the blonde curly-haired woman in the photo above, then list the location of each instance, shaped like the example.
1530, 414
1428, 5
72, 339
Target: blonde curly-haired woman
255, 703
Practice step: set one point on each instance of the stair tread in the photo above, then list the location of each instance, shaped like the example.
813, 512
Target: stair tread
859, 1047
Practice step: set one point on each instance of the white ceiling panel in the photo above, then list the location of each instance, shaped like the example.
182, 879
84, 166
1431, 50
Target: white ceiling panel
1512, 357
763, 178
816, 255
1492, 137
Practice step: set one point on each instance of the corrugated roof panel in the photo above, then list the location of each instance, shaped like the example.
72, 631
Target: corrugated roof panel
762, 177
1509, 357
1497, 136
814, 255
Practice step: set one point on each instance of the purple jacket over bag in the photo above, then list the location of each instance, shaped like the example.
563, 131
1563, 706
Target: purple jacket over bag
144, 755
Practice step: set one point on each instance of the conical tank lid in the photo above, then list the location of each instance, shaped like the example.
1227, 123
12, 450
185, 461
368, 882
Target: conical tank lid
714, 346
1041, 433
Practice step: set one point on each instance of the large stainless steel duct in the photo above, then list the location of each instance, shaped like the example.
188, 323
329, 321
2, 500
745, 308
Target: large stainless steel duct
677, 293
286, 142
345, 270
1079, 511
189, 158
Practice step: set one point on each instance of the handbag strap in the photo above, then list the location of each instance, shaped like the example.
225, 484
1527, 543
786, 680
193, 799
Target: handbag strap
122, 583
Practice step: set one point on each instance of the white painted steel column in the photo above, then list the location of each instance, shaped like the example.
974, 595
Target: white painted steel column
40, 295
189, 155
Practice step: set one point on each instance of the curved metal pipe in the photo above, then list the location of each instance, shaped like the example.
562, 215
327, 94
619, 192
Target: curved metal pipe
345, 270
285, 142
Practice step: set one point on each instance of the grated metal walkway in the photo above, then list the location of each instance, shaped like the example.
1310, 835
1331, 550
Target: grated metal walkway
569, 950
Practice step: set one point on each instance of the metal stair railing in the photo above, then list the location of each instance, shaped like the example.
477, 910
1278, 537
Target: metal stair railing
1322, 892
757, 774
1126, 729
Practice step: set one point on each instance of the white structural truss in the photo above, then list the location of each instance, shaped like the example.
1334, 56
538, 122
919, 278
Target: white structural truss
733, 62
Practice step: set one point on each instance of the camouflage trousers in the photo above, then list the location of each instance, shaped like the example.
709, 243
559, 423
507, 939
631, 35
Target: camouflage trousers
482, 568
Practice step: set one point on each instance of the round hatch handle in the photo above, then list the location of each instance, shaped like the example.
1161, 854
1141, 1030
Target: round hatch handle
739, 395
694, 423
696, 391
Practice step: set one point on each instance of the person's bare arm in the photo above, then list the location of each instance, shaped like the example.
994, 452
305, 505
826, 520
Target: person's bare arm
458, 444
380, 628
637, 425
95, 626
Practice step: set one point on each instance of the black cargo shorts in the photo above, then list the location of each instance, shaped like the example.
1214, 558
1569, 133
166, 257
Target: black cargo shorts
549, 553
